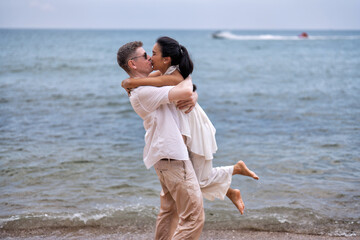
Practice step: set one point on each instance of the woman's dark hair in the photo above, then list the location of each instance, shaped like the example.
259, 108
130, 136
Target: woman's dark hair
178, 54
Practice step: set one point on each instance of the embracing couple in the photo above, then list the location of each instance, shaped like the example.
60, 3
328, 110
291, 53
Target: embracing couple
180, 138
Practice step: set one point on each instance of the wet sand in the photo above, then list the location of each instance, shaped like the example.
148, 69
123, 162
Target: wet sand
139, 233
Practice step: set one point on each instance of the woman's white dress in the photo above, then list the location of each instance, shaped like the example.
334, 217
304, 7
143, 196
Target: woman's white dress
201, 144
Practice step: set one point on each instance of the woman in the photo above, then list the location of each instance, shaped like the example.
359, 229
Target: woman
174, 65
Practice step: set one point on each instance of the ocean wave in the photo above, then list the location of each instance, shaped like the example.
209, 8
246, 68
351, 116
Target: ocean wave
275, 219
232, 36
36, 66
107, 217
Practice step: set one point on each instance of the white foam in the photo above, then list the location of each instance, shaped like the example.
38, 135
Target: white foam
9, 219
339, 233
86, 217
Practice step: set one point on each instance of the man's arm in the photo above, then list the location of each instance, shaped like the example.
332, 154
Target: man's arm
152, 97
188, 104
182, 91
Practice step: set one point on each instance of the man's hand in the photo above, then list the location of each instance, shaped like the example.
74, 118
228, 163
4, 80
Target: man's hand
188, 104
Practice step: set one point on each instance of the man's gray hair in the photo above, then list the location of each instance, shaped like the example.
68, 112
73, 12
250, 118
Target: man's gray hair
126, 52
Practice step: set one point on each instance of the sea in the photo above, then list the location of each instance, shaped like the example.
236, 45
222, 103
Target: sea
289, 107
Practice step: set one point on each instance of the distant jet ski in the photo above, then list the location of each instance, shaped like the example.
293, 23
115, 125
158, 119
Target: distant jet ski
222, 35
304, 35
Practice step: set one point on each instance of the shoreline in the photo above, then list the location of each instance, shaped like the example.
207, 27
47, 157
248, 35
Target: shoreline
144, 233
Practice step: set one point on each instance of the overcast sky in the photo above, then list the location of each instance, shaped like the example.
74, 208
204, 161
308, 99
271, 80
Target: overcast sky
181, 14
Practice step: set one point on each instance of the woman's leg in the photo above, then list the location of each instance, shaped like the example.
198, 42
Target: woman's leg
241, 169
214, 182
235, 196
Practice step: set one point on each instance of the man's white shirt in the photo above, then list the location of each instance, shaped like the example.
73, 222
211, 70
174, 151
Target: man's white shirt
163, 138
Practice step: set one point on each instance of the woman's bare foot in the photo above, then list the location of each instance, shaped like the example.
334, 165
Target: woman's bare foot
241, 168
235, 196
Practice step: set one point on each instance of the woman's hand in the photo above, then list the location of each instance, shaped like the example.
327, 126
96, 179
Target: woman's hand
188, 104
125, 84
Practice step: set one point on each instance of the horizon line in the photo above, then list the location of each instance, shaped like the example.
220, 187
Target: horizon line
183, 29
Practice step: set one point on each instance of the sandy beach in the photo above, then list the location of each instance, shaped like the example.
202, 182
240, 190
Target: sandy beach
139, 233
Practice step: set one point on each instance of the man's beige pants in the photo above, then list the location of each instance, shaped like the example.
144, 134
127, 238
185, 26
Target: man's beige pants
181, 213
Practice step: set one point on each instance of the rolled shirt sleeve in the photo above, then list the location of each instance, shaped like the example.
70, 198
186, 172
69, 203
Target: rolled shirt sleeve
153, 97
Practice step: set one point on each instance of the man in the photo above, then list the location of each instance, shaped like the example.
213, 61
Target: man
181, 213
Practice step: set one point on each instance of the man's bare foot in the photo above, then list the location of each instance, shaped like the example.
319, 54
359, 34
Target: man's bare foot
235, 196
241, 168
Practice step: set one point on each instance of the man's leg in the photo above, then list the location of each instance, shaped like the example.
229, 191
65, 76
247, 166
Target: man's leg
182, 191
189, 202
167, 219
